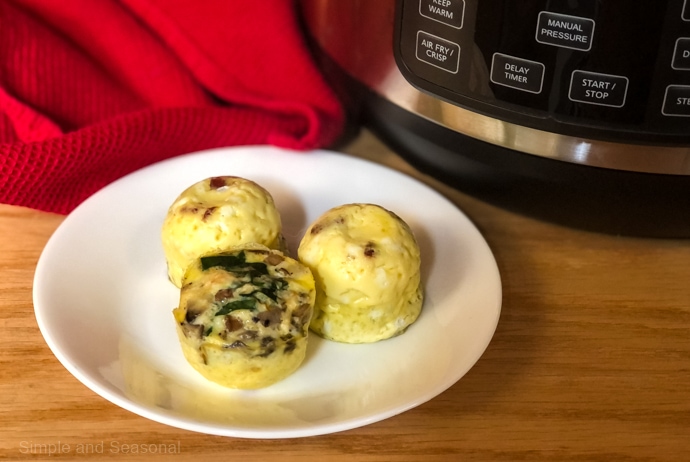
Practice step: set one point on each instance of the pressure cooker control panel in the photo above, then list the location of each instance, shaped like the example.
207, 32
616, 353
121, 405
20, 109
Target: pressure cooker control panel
619, 69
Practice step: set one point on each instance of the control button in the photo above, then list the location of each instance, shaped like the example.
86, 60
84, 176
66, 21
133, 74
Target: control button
517, 73
681, 55
600, 89
449, 12
438, 52
677, 101
685, 15
565, 31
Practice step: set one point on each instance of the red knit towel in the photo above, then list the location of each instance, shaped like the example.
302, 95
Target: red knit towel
93, 90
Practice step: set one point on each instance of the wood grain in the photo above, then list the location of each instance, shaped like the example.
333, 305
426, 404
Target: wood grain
590, 361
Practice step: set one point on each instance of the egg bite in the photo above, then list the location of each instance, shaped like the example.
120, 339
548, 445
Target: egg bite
366, 264
243, 317
217, 214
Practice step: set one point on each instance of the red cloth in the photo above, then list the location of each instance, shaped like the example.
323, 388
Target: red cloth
92, 90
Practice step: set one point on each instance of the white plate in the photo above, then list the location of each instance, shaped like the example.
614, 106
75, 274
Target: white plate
103, 301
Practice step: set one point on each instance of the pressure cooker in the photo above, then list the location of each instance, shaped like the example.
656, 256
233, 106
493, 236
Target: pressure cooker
572, 111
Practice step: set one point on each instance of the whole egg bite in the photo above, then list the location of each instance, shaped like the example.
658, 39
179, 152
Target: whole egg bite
216, 214
243, 317
366, 264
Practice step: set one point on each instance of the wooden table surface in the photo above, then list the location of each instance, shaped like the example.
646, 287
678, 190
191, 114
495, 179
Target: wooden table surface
590, 361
